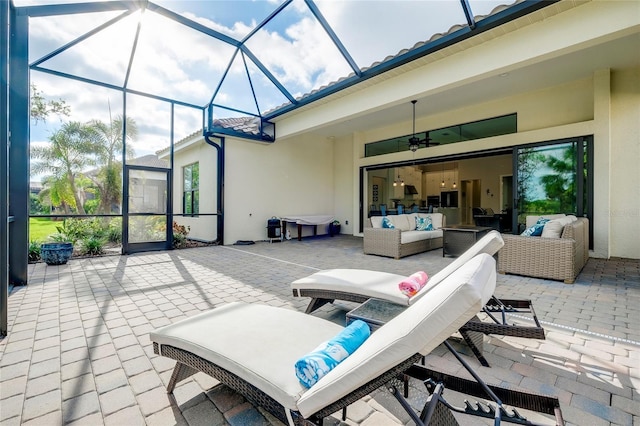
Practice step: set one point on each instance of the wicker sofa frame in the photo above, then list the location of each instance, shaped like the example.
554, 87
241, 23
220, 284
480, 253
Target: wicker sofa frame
387, 242
559, 259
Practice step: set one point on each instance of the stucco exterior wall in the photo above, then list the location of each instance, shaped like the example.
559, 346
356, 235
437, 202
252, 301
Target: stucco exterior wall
292, 177
203, 226
624, 209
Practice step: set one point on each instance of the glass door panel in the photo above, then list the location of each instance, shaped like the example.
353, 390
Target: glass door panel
552, 178
147, 222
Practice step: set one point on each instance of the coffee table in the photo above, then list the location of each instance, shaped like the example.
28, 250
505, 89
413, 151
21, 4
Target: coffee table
375, 313
458, 238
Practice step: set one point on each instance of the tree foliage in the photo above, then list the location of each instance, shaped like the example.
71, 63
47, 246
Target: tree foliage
81, 159
71, 151
41, 108
109, 178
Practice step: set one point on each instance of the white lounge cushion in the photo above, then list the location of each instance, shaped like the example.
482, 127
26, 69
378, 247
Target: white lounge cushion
490, 244
383, 285
371, 284
258, 343
419, 329
413, 236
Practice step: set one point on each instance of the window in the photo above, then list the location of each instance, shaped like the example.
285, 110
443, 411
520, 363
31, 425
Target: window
191, 188
489, 127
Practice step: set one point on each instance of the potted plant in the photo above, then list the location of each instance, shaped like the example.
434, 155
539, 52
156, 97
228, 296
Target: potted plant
58, 250
334, 227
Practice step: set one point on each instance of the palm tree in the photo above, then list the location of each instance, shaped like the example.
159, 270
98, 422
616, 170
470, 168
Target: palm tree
109, 178
71, 151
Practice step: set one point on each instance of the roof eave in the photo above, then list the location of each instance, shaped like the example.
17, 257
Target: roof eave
492, 21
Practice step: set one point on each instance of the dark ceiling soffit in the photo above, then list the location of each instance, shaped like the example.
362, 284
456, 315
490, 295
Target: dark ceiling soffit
113, 87
441, 159
488, 23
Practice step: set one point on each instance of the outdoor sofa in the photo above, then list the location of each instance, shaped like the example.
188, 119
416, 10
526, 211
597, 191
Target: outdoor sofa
404, 239
252, 349
559, 253
359, 285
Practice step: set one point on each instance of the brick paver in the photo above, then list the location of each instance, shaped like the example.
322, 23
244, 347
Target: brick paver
78, 350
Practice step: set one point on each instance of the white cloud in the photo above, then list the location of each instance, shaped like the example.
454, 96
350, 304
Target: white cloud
176, 62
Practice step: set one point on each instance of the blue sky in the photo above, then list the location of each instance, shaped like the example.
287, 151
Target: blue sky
179, 63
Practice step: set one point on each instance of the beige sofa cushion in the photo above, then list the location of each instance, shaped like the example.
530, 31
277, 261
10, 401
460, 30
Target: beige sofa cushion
407, 222
401, 222
376, 221
532, 220
413, 236
553, 228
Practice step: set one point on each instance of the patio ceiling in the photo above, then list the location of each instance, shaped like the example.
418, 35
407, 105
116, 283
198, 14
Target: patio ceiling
260, 59
548, 72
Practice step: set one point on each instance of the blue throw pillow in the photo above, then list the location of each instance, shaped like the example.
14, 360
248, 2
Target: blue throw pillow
424, 224
386, 223
535, 230
316, 364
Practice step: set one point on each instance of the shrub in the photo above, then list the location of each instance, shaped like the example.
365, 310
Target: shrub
180, 233
34, 251
92, 246
114, 230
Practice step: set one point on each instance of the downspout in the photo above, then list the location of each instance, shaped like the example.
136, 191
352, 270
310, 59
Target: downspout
220, 180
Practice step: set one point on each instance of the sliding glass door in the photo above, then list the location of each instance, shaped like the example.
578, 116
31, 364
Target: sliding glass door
553, 177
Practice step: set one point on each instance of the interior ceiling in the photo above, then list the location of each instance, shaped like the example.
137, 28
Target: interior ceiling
615, 54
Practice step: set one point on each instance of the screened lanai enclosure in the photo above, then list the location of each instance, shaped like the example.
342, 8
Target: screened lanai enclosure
92, 91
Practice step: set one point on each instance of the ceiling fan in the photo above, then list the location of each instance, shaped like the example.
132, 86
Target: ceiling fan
414, 141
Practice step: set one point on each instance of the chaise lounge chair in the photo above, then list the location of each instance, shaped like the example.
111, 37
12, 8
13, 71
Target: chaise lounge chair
253, 348
359, 285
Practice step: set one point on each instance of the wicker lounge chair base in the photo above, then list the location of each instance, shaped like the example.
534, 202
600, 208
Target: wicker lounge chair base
254, 348
436, 411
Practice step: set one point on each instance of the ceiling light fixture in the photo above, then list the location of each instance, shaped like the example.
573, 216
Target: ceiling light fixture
414, 141
398, 181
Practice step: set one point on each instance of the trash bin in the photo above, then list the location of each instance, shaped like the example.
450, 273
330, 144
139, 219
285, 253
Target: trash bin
274, 229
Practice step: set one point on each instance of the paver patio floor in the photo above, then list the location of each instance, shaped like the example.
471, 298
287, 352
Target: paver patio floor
78, 350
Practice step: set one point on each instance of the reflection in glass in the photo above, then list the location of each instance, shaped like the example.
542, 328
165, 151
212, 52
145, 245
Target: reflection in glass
547, 180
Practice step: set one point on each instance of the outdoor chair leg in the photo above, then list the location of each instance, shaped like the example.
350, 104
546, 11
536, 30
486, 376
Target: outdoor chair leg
475, 341
180, 372
316, 303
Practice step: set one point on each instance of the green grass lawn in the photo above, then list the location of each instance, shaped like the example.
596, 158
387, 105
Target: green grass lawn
40, 228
